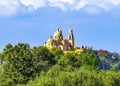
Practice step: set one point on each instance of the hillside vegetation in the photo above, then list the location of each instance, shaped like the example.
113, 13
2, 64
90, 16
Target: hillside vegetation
21, 65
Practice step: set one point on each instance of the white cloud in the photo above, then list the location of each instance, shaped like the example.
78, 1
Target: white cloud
114, 2
80, 4
12, 7
60, 5
107, 5
9, 7
64, 1
8, 2
34, 3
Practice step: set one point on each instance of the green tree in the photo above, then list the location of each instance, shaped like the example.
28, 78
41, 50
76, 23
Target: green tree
43, 59
56, 51
88, 58
18, 66
69, 61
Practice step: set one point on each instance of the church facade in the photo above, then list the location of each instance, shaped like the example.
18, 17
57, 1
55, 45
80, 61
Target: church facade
58, 41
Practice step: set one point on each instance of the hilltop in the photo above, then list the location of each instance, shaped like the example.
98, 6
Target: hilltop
21, 65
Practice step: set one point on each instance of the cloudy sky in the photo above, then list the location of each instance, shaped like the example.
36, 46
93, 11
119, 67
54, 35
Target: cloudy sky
96, 23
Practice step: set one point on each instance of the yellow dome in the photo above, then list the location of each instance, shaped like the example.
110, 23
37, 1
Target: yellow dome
57, 33
50, 40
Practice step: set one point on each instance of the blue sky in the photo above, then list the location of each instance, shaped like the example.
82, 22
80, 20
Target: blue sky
96, 23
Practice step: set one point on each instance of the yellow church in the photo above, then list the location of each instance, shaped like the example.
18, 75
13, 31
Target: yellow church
58, 41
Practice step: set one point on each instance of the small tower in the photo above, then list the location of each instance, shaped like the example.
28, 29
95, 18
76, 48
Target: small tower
71, 37
61, 36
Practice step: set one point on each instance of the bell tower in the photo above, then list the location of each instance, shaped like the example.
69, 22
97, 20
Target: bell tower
61, 36
71, 37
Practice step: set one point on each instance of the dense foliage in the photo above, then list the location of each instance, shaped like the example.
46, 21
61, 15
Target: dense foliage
21, 65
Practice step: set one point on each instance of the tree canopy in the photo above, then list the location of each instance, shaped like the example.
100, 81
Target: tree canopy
21, 65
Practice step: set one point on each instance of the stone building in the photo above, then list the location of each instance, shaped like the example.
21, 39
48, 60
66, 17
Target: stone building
102, 52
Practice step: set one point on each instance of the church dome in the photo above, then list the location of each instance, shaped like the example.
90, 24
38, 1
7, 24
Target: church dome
57, 34
50, 40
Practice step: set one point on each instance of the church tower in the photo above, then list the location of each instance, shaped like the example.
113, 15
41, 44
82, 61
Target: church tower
71, 37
